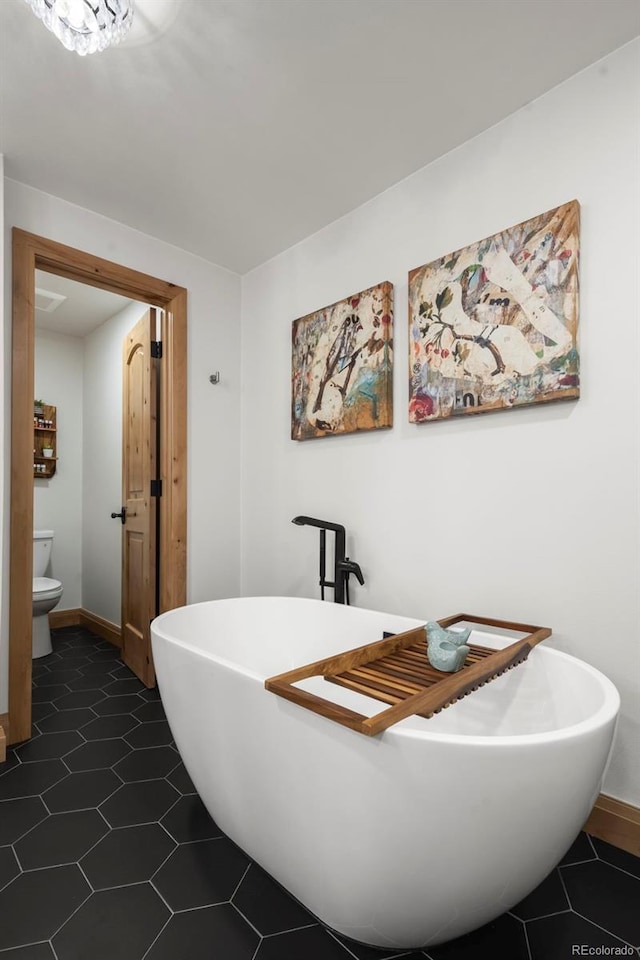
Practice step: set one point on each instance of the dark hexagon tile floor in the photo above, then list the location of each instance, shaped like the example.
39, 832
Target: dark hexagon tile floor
37, 951
122, 922
61, 838
127, 855
102, 830
9, 866
143, 801
201, 874
212, 932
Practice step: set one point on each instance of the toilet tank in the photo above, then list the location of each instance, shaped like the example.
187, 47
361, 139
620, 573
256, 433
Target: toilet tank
42, 541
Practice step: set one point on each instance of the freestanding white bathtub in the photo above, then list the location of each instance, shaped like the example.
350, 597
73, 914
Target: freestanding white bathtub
406, 839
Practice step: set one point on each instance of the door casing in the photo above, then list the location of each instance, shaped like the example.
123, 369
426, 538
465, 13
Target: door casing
31, 253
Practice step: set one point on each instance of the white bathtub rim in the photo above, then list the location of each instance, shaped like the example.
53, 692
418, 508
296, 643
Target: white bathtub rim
605, 714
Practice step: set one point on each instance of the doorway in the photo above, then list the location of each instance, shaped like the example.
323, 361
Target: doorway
78, 363
30, 253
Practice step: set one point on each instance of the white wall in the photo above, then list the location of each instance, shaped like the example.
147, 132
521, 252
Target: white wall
57, 502
102, 463
5, 441
213, 412
530, 515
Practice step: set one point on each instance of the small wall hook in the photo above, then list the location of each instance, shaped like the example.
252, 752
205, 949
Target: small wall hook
214, 377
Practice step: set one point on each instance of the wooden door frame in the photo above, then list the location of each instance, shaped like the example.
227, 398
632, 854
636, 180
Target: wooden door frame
31, 253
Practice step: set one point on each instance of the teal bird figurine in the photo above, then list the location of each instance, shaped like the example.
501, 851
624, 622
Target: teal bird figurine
446, 649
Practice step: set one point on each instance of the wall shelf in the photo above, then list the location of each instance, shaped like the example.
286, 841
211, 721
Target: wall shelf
44, 431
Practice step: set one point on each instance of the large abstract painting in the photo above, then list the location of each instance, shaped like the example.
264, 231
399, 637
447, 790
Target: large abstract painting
342, 364
494, 326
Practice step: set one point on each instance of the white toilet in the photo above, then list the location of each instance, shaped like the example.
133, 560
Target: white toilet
46, 593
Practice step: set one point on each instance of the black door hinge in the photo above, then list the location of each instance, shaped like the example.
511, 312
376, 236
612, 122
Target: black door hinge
156, 488
156, 349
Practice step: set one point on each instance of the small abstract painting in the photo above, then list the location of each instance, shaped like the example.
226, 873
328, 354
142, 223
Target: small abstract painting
494, 326
342, 365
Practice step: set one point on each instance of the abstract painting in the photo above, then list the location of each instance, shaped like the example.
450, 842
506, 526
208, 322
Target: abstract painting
494, 325
342, 364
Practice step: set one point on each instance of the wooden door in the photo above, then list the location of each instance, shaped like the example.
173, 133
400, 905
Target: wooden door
139, 525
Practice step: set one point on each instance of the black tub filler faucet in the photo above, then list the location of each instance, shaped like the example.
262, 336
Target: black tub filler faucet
342, 566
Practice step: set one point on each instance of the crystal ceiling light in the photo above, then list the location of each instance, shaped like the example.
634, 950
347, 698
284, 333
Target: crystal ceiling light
85, 26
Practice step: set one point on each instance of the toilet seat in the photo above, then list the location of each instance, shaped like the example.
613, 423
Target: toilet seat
44, 588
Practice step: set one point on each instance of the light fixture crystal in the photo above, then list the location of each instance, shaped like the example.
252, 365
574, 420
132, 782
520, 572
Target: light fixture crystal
85, 26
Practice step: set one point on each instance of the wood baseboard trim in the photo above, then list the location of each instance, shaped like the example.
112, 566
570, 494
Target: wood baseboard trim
84, 618
4, 736
615, 822
104, 628
64, 618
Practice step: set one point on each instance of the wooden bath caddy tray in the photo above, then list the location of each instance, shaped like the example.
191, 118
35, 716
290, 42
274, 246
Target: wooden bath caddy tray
396, 670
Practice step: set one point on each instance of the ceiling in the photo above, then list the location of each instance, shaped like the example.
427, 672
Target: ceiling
80, 310
236, 128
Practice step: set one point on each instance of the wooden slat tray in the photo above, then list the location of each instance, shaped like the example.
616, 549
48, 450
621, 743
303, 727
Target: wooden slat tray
396, 670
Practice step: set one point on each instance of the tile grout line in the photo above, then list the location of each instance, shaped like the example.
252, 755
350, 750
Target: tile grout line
160, 932
609, 933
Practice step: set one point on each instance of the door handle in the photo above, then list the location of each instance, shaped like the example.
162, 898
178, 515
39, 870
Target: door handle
122, 515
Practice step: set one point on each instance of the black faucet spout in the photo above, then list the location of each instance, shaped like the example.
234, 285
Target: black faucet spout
303, 521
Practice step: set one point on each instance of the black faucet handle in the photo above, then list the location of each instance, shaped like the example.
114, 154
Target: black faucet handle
349, 567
